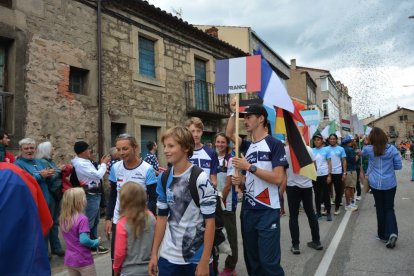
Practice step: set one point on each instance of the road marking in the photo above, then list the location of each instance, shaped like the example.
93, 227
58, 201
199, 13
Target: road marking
330, 252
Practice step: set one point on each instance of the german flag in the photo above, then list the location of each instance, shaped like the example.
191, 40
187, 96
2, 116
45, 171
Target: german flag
301, 161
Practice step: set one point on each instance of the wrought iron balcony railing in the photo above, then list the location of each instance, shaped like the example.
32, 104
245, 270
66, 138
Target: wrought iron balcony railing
201, 100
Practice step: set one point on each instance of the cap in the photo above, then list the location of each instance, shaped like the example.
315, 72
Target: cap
348, 138
256, 109
80, 147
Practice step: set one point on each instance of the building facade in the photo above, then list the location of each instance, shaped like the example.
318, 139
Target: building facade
398, 125
69, 72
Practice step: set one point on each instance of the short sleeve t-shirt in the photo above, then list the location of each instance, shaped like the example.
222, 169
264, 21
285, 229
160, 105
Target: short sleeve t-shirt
206, 159
337, 153
152, 160
265, 154
294, 179
351, 163
321, 155
76, 254
184, 234
143, 174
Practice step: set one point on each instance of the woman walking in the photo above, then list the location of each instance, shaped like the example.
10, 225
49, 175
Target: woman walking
384, 159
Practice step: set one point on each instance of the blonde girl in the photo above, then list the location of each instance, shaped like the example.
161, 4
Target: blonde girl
134, 232
75, 231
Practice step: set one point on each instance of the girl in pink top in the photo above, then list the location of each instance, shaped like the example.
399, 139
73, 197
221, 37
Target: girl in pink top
75, 230
134, 232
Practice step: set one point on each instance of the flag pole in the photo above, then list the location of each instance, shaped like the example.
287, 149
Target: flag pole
237, 127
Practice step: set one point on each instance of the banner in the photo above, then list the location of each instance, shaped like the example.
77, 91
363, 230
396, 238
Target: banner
346, 125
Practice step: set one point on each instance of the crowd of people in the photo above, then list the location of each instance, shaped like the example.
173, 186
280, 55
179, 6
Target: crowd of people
175, 221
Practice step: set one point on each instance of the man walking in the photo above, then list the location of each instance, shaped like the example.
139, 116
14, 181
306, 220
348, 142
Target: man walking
265, 164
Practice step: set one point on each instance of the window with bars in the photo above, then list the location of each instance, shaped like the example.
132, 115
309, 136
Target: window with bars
146, 52
77, 80
201, 95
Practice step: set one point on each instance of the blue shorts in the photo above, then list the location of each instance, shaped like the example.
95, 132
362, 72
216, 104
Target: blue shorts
165, 268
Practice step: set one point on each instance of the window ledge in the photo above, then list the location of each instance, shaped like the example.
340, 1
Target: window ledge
149, 80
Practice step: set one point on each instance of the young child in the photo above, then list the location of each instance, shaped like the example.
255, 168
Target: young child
75, 231
134, 232
187, 242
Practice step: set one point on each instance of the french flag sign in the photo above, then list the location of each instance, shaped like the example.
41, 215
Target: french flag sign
238, 75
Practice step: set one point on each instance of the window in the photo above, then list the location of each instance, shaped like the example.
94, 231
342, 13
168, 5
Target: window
6, 97
6, 3
325, 109
146, 57
77, 80
391, 129
403, 118
201, 95
116, 130
148, 134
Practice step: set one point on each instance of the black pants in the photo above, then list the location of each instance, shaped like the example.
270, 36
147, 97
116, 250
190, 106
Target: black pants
339, 189
295, 195
358, 183
113, 230
322, 188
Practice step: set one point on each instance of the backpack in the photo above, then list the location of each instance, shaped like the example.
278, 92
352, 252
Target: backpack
195, 173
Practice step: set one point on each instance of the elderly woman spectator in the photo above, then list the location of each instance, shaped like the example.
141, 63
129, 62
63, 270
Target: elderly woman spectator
44, 154
384, 159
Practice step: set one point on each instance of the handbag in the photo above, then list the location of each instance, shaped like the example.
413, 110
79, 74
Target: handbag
365, 181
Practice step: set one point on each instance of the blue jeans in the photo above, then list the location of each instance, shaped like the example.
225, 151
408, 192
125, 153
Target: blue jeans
165, 268
92, 212
54, 231
412, 170
384, 203
261, 241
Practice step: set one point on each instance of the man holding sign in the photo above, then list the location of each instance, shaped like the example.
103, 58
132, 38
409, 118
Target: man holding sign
264, 164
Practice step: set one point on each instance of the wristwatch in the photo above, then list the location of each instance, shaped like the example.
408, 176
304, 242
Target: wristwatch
252, 169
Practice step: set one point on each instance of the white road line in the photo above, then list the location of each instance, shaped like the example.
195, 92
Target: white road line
330, 252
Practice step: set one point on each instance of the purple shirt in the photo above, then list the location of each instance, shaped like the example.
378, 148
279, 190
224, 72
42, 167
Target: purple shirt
76, 254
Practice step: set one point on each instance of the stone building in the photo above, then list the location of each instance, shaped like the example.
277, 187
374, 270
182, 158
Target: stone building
345, 101
398, 125
145, 71
302, 87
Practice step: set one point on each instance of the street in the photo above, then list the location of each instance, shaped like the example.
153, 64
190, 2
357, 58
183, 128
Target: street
353, 251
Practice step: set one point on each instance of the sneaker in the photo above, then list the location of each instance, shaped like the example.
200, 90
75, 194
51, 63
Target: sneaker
328, 217
228, 272
59, 252
332, 202
295, 249
350, 208
337, 212
380, 239
391, 241
315, 245
323, 213
358, 198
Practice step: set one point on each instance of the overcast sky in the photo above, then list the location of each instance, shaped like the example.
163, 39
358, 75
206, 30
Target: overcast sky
368, 45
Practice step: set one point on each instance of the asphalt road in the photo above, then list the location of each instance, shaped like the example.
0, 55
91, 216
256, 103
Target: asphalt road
350, 247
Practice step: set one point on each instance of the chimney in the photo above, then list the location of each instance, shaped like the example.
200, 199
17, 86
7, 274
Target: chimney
213, 31
293, 64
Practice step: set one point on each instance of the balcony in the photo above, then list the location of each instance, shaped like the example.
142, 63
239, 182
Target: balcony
202, 102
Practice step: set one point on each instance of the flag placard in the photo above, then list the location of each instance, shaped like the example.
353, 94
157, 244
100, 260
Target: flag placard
238, 75
346, 125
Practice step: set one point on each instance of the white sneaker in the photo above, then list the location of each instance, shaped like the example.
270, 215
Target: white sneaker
351, 208
358, 198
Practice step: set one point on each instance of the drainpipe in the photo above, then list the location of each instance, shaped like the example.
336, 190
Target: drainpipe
100, 103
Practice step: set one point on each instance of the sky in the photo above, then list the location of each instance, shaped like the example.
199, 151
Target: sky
367, 45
